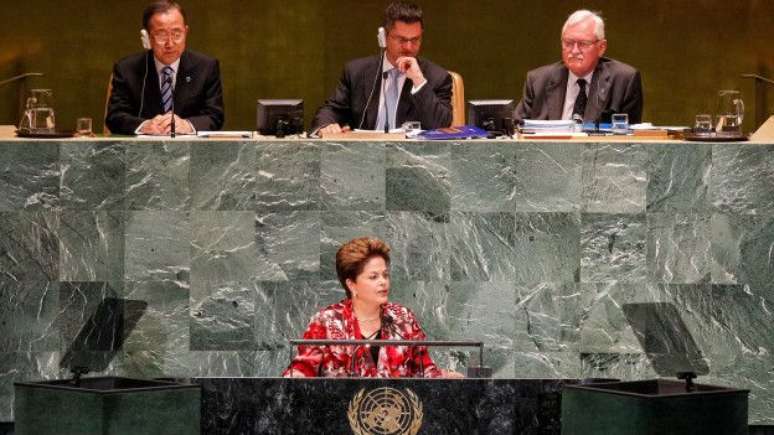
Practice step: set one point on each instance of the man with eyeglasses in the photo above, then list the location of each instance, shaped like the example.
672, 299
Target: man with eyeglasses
584, 85
151, 87
381, 92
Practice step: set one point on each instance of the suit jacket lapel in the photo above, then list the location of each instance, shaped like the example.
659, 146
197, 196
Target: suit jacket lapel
556, 90
373, 107
599, 91
182, 81
152, 103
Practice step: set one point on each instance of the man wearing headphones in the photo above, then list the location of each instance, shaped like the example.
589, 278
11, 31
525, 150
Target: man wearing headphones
381, 92
166, 81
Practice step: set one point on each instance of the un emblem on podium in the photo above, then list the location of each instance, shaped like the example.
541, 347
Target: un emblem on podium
385, 411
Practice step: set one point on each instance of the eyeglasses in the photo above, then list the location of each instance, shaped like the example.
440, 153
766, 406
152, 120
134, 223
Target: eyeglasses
401, 40
161, 37
568, 44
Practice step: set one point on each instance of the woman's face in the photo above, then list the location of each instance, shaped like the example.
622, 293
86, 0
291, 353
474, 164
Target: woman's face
372, 286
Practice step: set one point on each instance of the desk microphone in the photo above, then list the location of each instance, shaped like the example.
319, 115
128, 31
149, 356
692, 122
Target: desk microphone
172, 124
384, 99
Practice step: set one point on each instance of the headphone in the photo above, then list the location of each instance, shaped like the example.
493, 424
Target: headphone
145, 41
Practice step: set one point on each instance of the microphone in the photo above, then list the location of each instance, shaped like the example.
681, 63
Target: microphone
172, 124
385, 74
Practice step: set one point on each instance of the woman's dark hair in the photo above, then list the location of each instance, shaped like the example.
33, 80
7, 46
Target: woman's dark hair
160, 7
402, 11
352, 257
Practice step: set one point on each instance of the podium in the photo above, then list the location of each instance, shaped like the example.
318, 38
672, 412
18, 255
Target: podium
660, 406
384, 406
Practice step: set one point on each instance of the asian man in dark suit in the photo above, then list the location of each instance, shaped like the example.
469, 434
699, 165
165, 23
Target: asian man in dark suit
584, 84
148, 86
414, 89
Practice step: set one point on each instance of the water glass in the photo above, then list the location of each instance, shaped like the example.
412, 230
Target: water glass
703, 123
620, 123
412, 128
83, 127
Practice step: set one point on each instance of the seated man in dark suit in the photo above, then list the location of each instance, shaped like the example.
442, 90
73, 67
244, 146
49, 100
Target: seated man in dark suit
584, 84
145, 86
414, 89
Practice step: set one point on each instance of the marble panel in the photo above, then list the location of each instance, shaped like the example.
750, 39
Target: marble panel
29, 175
93, 175
223, 175
157, 176
288, 177
679, 247
548, 318
613, 248
483, 176
548, 177
352, 176
741, 179
417, 177
223, 316
157, 246
223, 246
483, 246
339, 227
614, 178
27, 313
547, 247
29, 246
91, 245
163, 322
419, 245
288, 245
743, 250
679, 177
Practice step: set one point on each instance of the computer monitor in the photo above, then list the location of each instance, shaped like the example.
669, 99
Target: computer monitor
280, 117
495, 116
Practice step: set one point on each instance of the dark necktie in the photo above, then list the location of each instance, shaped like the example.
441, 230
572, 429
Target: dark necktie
580, 101
166, 89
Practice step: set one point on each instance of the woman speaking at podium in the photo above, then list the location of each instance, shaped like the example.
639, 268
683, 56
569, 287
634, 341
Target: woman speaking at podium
363, 268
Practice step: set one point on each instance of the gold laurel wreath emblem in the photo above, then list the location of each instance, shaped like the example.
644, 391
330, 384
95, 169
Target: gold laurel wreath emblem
354, 412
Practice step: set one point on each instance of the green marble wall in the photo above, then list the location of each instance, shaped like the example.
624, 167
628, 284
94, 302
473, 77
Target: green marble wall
531, 247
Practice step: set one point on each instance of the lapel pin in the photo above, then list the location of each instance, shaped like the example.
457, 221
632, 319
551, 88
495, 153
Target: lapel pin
188, 79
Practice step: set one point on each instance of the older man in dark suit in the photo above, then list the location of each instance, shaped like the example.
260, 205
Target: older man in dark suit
413, 90
585, 84
149, 87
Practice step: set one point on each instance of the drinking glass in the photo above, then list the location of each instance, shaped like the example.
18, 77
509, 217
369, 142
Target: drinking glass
620, 123
703, 123
83, 127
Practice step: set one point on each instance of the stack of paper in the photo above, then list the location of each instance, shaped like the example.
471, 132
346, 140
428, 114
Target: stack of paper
538, 126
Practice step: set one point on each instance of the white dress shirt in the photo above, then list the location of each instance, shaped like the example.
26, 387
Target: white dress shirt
159, 71
386, 67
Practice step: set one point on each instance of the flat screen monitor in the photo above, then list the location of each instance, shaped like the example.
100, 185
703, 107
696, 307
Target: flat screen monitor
495, 116
280, 117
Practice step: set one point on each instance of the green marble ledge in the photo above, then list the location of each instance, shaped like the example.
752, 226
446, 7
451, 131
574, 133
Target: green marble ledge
532, 247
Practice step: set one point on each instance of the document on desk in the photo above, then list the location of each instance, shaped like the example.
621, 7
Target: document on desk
226, 134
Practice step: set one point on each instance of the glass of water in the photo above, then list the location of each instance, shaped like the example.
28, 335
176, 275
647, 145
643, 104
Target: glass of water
412, 128
620, 123
703, 123
83, 127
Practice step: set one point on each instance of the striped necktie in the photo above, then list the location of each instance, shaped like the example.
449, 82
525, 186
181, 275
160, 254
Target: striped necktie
166, 89
392, 97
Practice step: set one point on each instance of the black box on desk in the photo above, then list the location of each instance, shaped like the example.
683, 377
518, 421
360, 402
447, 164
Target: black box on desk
653, 407
107, 406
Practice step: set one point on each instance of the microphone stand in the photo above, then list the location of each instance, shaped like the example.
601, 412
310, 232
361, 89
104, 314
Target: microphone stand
385, 74
172, 110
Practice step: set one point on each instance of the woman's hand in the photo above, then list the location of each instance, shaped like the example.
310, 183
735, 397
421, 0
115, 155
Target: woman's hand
451, 374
